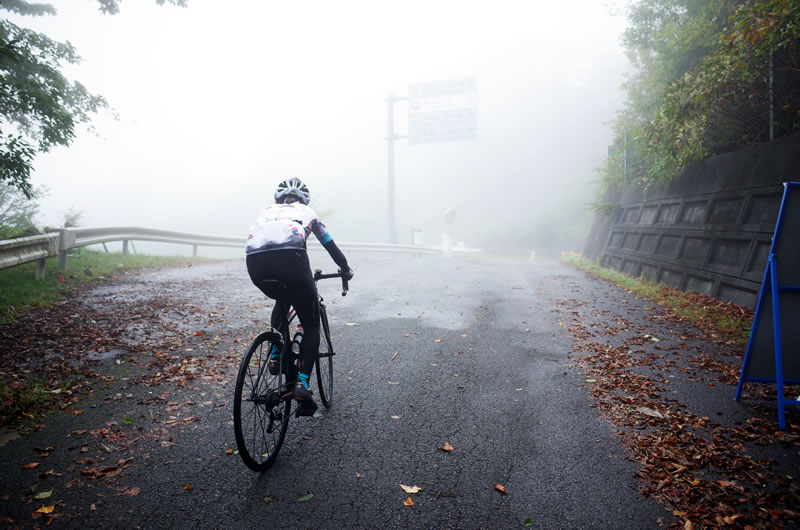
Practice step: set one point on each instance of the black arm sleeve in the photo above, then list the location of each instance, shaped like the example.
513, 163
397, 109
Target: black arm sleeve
336, 255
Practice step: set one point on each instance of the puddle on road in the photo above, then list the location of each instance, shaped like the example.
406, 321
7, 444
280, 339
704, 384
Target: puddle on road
105, 355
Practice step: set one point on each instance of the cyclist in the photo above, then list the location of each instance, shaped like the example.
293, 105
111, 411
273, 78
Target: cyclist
276, 250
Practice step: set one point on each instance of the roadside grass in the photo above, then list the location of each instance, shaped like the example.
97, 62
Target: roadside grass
728, 319
20, 291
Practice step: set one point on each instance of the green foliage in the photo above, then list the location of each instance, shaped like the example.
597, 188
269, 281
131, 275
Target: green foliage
702, 86
39, 106
17, 212
111, 7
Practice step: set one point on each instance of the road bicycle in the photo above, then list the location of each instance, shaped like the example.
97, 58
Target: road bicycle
262, 402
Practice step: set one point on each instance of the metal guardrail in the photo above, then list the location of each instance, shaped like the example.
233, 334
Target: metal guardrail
15, 252
82, 237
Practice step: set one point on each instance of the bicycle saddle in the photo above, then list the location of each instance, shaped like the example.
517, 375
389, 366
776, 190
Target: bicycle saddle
275, 289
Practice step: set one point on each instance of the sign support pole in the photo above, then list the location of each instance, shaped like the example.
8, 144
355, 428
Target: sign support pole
390, 139
390, 99
764, 359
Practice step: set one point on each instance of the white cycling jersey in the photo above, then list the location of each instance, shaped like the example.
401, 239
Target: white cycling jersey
285, 226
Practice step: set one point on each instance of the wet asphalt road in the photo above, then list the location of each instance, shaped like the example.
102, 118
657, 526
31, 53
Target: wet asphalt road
467, 352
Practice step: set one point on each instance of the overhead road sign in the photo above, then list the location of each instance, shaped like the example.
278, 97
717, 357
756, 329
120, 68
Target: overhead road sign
442, 111
773, 349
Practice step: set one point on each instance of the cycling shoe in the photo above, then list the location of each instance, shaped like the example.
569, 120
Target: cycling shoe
306, 399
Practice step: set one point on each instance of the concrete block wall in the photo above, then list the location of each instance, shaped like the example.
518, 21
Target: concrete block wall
709, 230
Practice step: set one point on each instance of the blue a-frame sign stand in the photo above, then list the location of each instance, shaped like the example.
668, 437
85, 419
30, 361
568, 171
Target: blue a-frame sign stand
773, 349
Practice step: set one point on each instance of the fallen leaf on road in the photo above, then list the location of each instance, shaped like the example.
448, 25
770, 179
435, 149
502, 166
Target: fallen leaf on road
268, 499
92, 507
528, 522
447, 447
727, 484
106, 472
409, 502
191, 418
131, 492
358, 475
43, 494
590, 380
229, 451
306, 497
31, 465
500, 488
46, 509
77, 412
410, 489
188, 487
198, 334
650, 412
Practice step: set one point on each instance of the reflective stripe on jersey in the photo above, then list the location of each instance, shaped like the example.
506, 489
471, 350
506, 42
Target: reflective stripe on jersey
285, 226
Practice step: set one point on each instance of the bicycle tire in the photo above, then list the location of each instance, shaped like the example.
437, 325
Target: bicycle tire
260, 417
324, 364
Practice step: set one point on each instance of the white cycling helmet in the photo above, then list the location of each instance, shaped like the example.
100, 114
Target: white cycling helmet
293, 187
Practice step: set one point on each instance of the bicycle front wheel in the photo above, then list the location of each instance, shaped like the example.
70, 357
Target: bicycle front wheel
324, 364
260, 417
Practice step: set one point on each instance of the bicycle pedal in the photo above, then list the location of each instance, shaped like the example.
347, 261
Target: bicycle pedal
305, 411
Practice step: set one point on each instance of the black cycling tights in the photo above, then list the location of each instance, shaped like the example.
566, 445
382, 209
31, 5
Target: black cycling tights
292, 268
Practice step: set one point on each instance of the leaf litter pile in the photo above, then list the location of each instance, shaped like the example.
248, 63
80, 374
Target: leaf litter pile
708, 470
108, 347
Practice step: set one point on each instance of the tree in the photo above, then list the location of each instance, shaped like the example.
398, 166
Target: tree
17, 211
746, 91
39, 106
713, 76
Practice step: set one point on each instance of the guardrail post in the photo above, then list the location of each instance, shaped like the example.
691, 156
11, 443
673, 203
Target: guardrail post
124, 247
40, 269
194, 251
66, 240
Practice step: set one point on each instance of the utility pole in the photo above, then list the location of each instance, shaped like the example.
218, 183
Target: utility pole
390, 139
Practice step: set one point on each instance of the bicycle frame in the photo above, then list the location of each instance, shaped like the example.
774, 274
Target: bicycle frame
263, 398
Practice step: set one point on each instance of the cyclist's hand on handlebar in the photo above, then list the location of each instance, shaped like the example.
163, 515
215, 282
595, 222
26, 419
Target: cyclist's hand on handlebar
347, 275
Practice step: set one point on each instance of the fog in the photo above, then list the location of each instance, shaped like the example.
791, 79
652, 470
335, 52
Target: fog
219, 101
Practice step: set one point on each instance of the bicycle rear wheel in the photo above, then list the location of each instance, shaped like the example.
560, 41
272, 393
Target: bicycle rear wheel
260, 417
324, 364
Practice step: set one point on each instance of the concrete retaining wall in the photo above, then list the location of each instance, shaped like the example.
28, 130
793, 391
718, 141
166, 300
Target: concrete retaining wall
709, 230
